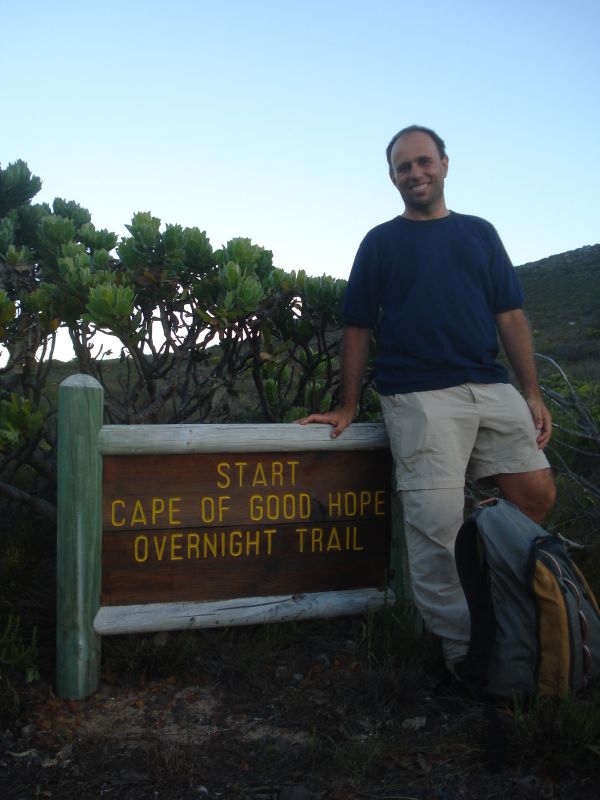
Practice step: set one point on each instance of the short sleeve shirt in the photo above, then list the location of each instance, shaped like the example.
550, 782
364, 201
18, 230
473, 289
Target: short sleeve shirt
432, 291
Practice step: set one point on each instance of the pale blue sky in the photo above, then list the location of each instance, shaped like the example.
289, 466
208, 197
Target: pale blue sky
270, 120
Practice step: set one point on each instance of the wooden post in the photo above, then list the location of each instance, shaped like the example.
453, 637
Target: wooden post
400, 580
80, 404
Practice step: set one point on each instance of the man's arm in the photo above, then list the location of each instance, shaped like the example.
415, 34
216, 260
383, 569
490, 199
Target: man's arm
355, 354
516, 340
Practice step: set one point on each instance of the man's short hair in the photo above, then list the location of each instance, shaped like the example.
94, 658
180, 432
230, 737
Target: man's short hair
439, 142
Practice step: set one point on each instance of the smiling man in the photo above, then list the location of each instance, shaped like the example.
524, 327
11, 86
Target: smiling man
418, 167
439, 288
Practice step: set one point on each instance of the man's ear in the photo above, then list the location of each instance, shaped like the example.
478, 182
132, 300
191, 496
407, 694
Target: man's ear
391, 174
445, 163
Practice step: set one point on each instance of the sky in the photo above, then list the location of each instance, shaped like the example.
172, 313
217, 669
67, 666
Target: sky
270, 119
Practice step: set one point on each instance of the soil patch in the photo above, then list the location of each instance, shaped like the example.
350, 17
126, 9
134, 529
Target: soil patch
301, 711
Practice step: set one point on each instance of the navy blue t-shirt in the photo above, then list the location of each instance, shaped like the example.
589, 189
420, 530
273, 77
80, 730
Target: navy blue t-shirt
432, 290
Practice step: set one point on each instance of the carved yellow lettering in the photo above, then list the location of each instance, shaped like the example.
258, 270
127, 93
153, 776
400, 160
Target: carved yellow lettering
273, 505
365, 502
216, 544
117, 523
173, 509
253, 542
140, 549
269, 532
236, 546
353, 504
256, 512
223, 469
334, 505
160, 542
210, 544
316, 540
273, 474
333, 542
223, 507
277, 473
350, 503
193, 546
259, 479
241, 466
176, 547
355, 545
158, 506
304, 505
289, 506
207, 510
301, 531
138, 517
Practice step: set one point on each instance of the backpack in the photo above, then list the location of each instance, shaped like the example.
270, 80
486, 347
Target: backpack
535, 623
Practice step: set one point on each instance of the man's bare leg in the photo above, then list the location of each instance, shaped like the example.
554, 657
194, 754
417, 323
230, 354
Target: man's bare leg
532, 492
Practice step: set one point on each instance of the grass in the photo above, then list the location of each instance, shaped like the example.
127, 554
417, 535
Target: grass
563, 734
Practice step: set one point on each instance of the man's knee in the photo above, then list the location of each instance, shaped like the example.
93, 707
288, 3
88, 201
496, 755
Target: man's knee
534, 493
538, 505
549, 495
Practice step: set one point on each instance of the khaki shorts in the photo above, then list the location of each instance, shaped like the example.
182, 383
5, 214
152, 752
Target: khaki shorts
436, 436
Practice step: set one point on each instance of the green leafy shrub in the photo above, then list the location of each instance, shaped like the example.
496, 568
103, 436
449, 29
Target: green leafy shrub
16, 656
194, 329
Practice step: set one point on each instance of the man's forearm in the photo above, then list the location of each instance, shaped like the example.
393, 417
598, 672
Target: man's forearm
355, 355
516, 340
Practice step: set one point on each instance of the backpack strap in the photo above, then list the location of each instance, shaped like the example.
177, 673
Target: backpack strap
472, 571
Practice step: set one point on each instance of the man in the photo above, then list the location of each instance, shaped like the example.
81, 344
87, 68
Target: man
439, 287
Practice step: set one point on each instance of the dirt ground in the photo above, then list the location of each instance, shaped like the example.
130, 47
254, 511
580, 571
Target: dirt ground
310, 713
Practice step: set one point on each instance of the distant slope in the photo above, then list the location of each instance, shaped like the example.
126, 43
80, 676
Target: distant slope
562, 301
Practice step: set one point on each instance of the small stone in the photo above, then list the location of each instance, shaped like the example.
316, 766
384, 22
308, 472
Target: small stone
414, 724
28, 730
161, 638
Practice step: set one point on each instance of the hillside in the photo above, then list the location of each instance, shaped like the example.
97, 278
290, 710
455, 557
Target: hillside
562, 299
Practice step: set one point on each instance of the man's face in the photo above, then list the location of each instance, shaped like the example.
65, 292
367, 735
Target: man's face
418, 172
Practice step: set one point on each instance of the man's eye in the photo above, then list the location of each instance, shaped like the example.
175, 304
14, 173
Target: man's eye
423, 162
402, 168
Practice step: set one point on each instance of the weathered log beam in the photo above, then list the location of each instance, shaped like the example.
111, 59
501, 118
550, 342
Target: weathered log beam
241, 438
152, 617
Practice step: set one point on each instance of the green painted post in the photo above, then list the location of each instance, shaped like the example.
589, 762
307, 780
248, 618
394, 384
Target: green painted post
80, 406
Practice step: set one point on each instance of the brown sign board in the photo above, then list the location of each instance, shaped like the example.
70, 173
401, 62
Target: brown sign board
218, 526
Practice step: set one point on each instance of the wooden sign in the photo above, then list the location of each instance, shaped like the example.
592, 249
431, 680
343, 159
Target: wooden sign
209, 526
166, 527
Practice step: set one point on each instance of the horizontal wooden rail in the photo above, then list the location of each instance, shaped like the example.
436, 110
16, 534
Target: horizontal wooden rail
241, 611
240, 438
